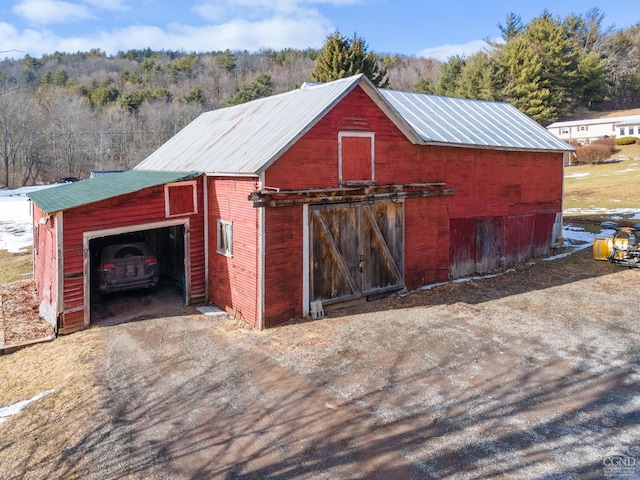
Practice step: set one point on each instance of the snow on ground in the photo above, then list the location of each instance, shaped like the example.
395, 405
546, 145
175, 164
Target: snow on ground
576, 175
15, 219
6, 412
613, 213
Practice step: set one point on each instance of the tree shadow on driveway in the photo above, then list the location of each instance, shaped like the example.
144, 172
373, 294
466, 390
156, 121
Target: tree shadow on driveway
180, 401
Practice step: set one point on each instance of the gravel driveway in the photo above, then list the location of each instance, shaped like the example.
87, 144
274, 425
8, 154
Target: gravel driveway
533, 374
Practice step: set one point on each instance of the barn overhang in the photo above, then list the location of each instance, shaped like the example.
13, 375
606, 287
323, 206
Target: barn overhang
274, 197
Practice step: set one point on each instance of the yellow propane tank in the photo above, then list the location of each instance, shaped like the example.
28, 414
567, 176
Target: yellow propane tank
602, 248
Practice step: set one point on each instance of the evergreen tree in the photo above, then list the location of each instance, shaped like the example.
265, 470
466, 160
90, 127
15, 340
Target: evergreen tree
342, 57
512, 27
448, 81
478, 77
261, 87
526, 86
226, 61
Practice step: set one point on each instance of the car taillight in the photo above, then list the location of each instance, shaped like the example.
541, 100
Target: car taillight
150, 261
107, 266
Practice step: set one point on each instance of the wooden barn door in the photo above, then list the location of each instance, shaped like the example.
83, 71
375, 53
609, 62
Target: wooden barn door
355, 251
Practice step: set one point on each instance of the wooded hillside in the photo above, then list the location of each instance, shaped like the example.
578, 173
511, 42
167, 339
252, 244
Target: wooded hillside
66, 114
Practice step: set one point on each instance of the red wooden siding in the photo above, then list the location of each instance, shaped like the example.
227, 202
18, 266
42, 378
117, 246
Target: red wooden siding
134, 209
504, 202
45, 264
233, 281
426, 241
462, 247
356, 159
314, 158
518, 237
283, 264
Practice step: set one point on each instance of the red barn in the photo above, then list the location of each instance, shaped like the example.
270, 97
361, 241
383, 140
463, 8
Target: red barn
341, 192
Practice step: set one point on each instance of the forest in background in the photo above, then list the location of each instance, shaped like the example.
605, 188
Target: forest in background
67, 114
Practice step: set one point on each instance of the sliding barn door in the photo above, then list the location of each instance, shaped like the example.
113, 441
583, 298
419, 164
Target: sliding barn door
355, 250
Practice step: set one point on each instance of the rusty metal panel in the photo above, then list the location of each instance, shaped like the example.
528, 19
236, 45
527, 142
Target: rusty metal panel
518, 237
462, 248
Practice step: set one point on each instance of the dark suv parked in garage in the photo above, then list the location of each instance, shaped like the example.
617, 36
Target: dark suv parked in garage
126, 266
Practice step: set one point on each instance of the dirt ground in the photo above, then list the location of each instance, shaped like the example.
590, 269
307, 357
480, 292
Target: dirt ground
19, 318
530, 374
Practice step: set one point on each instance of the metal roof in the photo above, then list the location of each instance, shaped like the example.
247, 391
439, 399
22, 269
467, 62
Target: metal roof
476, 123
598, 121
246, 139
84, 192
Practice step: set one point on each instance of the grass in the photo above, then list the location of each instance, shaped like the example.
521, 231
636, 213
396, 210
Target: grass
15, 266
605, 186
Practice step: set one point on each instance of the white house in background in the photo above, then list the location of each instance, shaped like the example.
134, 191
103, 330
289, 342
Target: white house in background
585, 132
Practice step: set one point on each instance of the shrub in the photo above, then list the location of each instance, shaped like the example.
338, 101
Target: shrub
592, 153
625, 140
605, 141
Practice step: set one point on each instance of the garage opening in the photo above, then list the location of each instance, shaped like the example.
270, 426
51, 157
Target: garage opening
136, 274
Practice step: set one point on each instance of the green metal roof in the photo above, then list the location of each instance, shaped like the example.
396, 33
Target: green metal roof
84, 192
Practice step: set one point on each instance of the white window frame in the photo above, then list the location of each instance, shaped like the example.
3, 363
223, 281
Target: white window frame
370, 135
565, 131
622, 130
225, 231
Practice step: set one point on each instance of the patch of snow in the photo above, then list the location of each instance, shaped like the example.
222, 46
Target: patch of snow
6, 412
577, 175
211, 310
634, 212
16, 233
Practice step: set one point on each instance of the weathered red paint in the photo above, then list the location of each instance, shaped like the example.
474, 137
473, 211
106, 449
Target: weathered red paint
45, 263
233, 281
504, 207
135, 209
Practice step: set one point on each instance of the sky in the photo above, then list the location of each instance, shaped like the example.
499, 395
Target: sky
414, 28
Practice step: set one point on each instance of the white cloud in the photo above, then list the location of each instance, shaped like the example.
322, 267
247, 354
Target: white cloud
116, 5
221, 10
44, 12
444, 52
276, 32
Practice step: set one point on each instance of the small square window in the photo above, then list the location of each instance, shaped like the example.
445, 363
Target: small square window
565, 131
225, 238
582, 128
621, 130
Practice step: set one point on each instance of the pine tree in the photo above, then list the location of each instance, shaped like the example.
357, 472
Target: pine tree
342, 57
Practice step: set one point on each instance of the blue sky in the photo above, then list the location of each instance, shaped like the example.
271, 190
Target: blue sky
418, 28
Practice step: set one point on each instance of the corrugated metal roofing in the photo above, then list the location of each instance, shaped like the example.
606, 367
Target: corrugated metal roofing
476, 123
246, 139
84, 192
